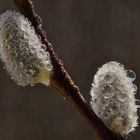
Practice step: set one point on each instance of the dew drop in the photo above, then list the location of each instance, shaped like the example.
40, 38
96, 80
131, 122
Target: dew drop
39, 56
108, 91
47, 56
114, 109
43, 47
39, 37
104, 101
95, 100
26, 36
106, 115
39, 20
49, 66
109, 78
20, 64
31, 72
121, 96
100, 113
131, 75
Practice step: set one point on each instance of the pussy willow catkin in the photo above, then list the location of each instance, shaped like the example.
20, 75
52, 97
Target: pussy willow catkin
22, 51
113, 98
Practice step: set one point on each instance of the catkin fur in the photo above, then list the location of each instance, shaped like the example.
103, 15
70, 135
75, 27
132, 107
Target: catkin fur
112, 98
22, 51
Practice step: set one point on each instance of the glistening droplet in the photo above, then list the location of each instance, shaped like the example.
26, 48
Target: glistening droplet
108, 91
121, 96
39, 20
43, 47
114, 109
106, 115
131, 75
104, 101
109, 78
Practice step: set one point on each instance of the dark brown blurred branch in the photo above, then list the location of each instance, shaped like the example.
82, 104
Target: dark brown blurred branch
61, 80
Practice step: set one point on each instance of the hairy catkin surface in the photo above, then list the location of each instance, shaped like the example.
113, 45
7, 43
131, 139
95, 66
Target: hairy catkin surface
113, 98
22, 51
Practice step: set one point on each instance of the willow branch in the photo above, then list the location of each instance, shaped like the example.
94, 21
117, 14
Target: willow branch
61, 81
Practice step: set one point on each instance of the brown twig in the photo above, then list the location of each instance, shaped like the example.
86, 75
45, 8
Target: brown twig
61, 80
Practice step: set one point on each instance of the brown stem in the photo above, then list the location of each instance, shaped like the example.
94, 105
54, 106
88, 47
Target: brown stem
61, 80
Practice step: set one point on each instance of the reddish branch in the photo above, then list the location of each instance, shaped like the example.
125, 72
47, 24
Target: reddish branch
61, 80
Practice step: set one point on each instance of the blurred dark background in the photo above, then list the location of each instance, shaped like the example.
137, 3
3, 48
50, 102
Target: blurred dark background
85, 34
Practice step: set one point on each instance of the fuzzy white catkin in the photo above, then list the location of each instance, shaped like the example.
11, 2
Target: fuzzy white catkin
112, 98
22, 51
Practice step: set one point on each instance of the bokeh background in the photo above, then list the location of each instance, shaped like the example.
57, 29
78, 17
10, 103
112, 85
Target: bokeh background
85, 34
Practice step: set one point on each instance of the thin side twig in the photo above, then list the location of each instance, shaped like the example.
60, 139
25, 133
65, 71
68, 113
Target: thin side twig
61, 81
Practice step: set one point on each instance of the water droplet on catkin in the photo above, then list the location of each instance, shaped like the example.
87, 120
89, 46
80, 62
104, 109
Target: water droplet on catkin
122, 96
108, 91
131, 75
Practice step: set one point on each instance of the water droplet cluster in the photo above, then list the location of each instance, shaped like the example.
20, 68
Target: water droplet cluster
112, 97
21, 50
